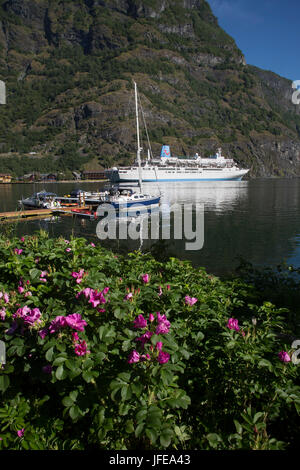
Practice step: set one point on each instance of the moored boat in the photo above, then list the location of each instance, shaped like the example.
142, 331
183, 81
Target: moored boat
168, 168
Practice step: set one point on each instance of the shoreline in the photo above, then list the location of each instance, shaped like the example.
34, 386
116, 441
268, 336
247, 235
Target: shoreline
61, 181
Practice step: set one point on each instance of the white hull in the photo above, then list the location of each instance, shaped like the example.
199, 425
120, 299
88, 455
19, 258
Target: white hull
179, 174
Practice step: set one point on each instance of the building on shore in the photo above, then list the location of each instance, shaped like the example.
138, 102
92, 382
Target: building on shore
5, 178
93, 175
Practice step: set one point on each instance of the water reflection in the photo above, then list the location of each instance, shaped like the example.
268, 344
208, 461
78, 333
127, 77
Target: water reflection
218, 196
258, 220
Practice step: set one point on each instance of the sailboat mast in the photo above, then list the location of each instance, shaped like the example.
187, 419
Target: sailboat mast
138, 138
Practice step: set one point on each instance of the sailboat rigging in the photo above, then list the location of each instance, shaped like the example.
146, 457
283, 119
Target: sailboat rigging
123, 198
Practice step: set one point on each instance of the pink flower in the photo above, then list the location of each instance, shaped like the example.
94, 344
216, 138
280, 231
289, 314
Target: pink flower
190, 300
43, 333
160, 291
163, 357
145, 338
75, 337
6, 298
93, 245
57, 323
140, 322
30, 317
74, 321
33, 317
145, 278
22, 239
68, 249
86, 292
133, 357
96, 298
28, 294
21, 289
128, 296
37, 260
233, 324
168, 287
21, 432
163, 328
151, 317
159, 345
78, 276
81, 349
283, 356
163, 324
18, 252
66, 241
22, 312
145, 357
44, 274
2, 313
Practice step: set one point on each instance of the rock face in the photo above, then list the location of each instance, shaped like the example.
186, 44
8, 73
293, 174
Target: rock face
69, 65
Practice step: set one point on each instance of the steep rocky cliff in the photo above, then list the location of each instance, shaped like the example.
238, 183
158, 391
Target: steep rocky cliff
69, 64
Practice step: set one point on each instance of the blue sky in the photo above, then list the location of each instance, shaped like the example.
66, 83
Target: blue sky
266, 31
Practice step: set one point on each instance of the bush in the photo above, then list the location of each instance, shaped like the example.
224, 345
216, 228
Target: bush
112, 352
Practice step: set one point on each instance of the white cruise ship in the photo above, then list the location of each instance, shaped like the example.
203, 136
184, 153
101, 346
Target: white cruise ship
167, 168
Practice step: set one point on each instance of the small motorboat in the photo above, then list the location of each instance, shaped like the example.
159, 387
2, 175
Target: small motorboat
86, 213
40, 200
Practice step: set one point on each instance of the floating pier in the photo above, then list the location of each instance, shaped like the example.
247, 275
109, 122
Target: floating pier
35, 213
26, 213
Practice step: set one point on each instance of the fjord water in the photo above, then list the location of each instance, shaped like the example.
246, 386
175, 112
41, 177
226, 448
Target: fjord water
257, 220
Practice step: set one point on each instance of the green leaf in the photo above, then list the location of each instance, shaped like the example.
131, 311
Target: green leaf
129, 426
49, 354
126, 392
4, 382
165, 437
151, 434
257, 416
238, 426
34, 274
74, 412
59, 360
73, 395
60, 373
123, 409
125, 376
87, 375
141, 415
67, 401
214, 440
265, 363
139, 429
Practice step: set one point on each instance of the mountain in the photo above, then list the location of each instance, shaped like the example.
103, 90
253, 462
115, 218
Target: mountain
69, 64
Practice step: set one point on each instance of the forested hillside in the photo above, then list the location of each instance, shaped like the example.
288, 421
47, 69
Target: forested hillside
69, 64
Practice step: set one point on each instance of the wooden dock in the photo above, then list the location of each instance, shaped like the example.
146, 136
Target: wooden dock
26, 213
36, 213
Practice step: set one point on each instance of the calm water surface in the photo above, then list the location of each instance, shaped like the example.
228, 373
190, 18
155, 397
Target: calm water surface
257, 220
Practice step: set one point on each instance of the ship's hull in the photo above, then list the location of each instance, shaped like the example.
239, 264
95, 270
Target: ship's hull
152, 201
201, 174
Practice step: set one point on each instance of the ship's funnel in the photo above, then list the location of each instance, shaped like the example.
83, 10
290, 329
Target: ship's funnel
165, 151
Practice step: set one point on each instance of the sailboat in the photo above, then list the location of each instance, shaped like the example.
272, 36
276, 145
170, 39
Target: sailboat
123, 198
